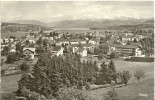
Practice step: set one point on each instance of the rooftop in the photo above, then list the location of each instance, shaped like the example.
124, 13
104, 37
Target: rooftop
124, 46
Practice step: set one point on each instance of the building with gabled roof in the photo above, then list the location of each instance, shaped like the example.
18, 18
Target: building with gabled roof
29, 52
126, 49
57, 50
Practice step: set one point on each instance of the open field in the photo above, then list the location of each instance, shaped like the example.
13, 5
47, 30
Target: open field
134, 91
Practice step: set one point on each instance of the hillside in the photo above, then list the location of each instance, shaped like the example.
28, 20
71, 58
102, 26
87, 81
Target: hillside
34, 22
101, 23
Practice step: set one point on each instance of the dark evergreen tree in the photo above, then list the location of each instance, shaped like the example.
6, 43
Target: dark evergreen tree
113, 71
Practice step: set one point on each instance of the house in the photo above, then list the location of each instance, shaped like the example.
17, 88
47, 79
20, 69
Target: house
60, 42
126, 38
138, 52
92, 48
2, 41
75, 47
32, 41
29, 52
82, 52
12, 49
58, 50
6, 40
11, 40
94, 41
126, 49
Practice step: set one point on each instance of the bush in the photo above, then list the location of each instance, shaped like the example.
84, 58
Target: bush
24, 67
125, 77
113, 55
139, 74
87, 86
11, 58
111, 94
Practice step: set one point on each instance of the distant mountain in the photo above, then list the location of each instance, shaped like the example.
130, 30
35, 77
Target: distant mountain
35, 22
150, 21
101, 23
89, 23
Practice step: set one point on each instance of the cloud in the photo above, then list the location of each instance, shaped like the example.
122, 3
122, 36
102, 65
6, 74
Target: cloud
60, 10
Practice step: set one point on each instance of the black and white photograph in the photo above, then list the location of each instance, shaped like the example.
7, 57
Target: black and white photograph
77, 50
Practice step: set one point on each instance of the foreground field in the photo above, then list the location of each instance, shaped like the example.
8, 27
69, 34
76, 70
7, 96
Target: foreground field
9, 83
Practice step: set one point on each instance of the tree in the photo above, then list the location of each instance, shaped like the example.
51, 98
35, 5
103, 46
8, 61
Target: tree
40, 49
125, 77
102, 40
101, 49
5, 50
113, 55
100, 56
11, 58
135, 40
19, 47
128, 43
113, 71
24, 67
45, 42
104, 74
40, 41
27, 42
139, 74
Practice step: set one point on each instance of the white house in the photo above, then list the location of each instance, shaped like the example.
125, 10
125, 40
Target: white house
57, 51
92, 48
6, 40
82, 52
29, 52
11, 39
12, 49
138, 52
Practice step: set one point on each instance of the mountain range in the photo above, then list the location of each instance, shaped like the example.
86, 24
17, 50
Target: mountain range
85, 23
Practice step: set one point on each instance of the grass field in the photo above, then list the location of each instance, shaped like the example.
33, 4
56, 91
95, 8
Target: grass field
9, 83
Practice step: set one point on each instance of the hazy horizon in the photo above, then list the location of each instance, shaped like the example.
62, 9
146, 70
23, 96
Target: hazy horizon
47, 11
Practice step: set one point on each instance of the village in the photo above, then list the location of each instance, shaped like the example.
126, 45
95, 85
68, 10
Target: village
89, 45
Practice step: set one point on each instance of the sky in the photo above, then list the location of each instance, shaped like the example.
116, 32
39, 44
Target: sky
47, 11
